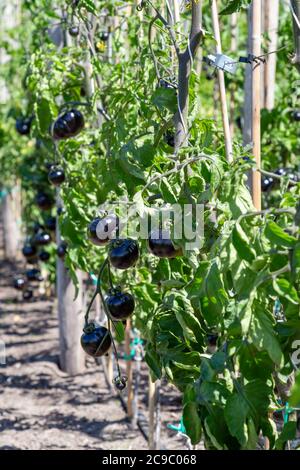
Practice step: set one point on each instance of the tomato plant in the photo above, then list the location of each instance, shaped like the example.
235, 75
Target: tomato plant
120, 117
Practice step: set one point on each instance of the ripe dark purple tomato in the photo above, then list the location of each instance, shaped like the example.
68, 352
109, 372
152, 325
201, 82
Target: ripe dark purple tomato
23, 126
68, 125
19, 283
120, 304
95, 340
44, 256
296, 115
44, 201
42, 239
266, 183
62, 250
56, 176
123, 254
120, 382
29, 251
104, 36
74, 31
34, 275
102, 229
50, 223
27, 294
161, 245
60, 210
169, 138
212, 339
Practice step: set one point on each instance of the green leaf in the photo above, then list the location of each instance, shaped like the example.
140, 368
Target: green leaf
235, 413
43, 115
192, 422
233, 6
242, 244
165, 98
295, 396
286, 290
278, 236
288, 433
262, 333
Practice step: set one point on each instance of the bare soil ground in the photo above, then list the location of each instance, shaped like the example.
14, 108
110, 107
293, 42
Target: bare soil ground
43, 408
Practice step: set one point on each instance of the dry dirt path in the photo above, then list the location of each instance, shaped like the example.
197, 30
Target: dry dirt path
42, 408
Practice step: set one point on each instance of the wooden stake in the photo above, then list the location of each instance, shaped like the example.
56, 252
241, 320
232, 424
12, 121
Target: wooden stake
271, 17
128, 369
176, 11
256, 106
151, 408
233, 48
247, 127
221, 79
157, 417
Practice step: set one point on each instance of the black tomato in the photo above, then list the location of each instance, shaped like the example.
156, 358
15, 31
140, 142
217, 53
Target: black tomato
19, 283
289, 172
95, 340
61, 250
266, 183
44, 201
50, 223
34, 275
161, 245
169, 138
68, 124
212, 339
104, 36
60, 210
56, 176
42, 239
23, 126
123, 254
27, 294
296, 115
74, 31
44, 256
29, 251
120, 382
102, 230
120, 304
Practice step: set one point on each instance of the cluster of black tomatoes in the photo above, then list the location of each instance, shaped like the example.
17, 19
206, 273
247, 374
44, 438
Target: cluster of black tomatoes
122, 254
268, 182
